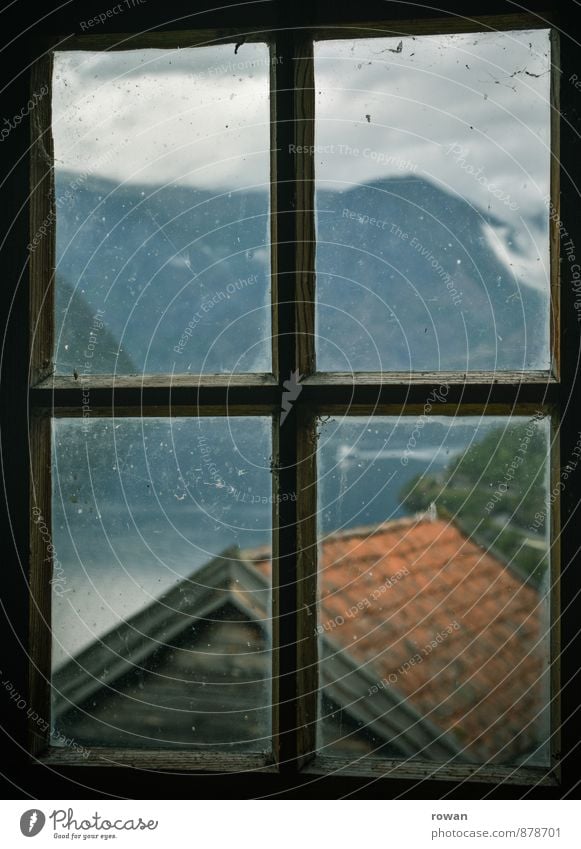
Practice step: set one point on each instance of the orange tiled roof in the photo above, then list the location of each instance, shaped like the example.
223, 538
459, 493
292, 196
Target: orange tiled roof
482, 681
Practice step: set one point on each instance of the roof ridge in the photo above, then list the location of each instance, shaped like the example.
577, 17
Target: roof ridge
389, 525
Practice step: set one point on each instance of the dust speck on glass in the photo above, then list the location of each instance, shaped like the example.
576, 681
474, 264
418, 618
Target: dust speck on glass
161, 620
432, 202
162, 206
432, 212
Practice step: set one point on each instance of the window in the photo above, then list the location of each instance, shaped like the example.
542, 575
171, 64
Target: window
295, 379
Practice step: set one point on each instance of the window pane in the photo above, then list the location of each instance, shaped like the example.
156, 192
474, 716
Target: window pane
434, 584
162, 203
161, 630
432, 197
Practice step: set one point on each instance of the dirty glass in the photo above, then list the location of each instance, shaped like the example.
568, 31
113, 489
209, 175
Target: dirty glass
160, 613
432, 158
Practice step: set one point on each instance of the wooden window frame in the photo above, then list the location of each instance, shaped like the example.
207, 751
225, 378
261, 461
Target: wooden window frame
293, 325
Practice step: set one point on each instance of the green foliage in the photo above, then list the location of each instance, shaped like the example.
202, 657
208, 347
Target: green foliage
495, 491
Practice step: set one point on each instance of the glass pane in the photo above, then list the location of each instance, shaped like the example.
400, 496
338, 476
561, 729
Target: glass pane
432, 161
162, 203
161, 630
434, 584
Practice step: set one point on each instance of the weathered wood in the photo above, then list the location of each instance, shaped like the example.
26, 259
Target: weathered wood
470, 391
40, 574
188, 391
448, 25
554, 590
424, 24
284, 281
295, 538
206, 689
568, 413
159, 409
252, 382
431, 378
555, 208
412, 409
278, 519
